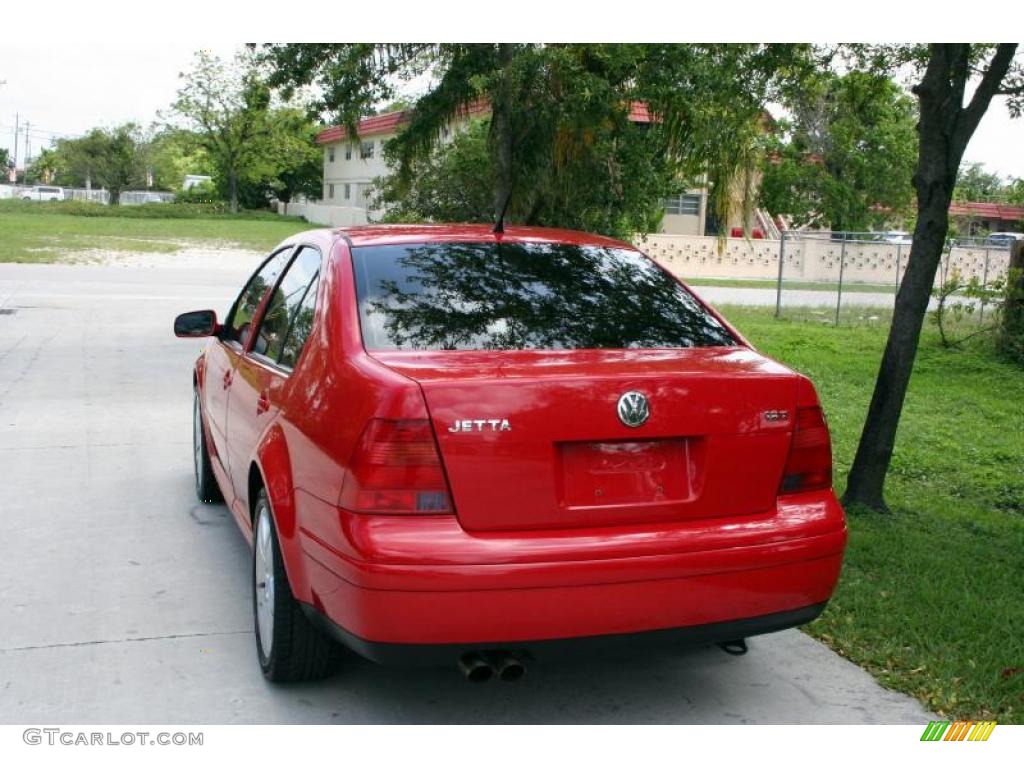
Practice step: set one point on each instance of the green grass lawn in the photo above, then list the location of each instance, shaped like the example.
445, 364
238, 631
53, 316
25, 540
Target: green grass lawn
931, 600
42, 232
793, 285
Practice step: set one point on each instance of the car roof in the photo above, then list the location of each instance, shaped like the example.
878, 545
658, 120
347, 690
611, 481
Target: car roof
399, 234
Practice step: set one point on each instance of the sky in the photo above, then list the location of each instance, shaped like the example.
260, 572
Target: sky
77, 86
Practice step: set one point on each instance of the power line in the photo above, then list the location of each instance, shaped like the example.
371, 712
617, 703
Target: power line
41, 132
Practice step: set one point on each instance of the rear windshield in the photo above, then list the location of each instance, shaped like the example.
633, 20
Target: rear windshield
524, 296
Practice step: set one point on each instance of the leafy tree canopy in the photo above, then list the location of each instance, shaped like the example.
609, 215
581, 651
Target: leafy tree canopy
111, 158
617, 184
846, 158
975, 184
254, 148
225, 104
558, 112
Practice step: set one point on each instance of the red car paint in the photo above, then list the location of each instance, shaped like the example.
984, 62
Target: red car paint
529, 553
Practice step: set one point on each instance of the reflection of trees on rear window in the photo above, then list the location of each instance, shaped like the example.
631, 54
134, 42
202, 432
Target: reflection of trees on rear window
285, 301
247, 305
301, 326
524, 296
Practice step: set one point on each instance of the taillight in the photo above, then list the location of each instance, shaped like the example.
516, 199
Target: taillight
809, 465
396, 470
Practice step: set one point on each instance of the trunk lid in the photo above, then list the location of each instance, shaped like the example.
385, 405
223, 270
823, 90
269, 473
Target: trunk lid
532, 439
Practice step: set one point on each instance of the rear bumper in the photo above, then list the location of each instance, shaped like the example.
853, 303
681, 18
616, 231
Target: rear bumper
442, 654
416, 582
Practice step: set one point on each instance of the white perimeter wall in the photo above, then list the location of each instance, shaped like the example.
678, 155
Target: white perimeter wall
810, 260
327, 215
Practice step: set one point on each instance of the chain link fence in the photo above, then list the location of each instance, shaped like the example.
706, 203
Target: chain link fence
101, 196
144, 197
837, 276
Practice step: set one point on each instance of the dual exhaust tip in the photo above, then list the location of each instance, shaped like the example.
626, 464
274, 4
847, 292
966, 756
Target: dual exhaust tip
481, 666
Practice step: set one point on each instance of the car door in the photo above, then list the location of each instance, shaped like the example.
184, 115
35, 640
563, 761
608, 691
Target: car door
269, 357
222, 357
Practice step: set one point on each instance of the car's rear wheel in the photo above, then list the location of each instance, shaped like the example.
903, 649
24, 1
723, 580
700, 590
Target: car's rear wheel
289, 647
206, 484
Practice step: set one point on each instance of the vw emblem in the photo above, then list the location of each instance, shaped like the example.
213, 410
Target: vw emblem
633, 409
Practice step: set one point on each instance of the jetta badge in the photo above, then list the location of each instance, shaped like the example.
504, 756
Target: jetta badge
480, 425
633, 409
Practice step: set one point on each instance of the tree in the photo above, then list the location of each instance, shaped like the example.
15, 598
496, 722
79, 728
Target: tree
174, 153
1015, 192
110, 158
947, 121
555, 110
617, 183
294, 163
975, 184
226, 105
44, 167
453, 183
846, 159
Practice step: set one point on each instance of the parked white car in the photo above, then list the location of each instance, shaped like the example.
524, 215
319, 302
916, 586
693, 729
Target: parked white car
1004, 238
898, 238
43, 193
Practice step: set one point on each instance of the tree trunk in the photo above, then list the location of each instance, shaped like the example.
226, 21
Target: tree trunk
501, 132
944, 128
233, 191
867, 475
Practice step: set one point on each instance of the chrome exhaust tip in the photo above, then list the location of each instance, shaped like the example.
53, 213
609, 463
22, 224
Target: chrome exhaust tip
475, 667
508, 667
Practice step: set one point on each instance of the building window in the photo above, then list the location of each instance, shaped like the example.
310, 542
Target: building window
366, 150
348, 191
330, 191
348, 151
683, 205
330, 155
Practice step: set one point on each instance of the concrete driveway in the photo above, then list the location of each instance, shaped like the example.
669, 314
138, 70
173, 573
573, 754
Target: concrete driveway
124, 600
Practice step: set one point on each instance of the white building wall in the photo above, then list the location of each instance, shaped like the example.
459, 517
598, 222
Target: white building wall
355, 174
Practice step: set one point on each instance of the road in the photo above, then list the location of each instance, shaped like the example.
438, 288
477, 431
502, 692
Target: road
125, 600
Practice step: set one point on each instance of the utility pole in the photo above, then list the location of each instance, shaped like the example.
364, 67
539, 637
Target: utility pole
16, 117
28, 145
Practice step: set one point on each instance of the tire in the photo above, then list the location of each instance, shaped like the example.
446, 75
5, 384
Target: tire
206, 484
297, 649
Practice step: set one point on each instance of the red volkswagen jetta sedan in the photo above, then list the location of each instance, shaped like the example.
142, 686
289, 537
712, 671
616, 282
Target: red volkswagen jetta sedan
450, 444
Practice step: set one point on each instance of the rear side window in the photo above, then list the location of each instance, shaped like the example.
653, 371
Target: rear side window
524, 296
240, 325
285, 301
300, 328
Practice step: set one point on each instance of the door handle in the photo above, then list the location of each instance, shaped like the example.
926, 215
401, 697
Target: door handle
227, 379
263, 403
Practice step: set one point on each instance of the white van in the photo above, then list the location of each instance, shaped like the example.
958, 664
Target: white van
43, 193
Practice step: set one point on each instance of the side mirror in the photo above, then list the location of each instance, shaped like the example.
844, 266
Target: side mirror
202, 322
